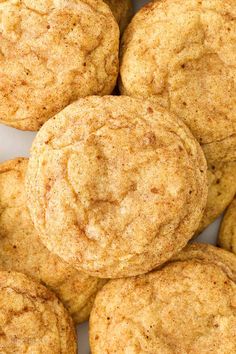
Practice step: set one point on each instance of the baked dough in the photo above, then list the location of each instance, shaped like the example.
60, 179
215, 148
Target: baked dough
22, 250
188, 306
222, 189
51, 53
32, 320
115, 185
122, 10
227, 235
182, 55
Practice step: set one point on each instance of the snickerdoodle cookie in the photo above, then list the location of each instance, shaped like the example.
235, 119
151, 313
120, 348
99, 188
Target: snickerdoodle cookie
116, 185
188, 306
182, 55
51, 53
222, 189
227, 235
32, 319
122, 10
22, 250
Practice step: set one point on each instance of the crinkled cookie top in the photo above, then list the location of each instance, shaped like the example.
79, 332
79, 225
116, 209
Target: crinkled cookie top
51, 53
32, 320
183, 55
22, 250
186, 307
116, 185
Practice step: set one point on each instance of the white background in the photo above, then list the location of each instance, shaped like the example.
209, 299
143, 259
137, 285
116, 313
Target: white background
14, 143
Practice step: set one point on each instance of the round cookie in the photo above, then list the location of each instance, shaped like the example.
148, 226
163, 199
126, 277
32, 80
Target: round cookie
51, 53
32, 319
122, 11
222, 189
22, 250
182, 55
227, 235
115, 185
187, 306
209, 254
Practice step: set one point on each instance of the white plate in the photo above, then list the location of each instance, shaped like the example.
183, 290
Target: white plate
15, 143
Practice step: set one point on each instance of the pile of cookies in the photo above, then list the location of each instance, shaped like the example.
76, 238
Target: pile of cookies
97, 222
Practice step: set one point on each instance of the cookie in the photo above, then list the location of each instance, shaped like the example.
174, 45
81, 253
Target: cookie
32, 319
209, 254
222, 189
51, 53
115, 185
227, 234
187, 306
122, 10
182, 55
22, 250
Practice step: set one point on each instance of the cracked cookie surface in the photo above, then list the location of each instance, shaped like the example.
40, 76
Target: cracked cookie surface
122, 10
222, 189
182, 54
51, 53
227, 234
115, 185
32, 320
188, 306
22, 250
